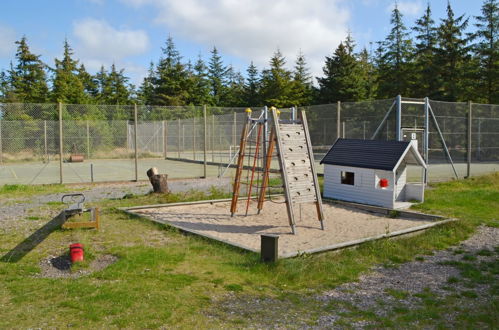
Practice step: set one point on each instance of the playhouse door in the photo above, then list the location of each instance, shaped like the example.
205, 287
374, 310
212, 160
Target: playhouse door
400, 182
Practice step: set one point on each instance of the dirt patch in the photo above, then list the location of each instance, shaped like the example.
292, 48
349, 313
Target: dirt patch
60, 266
342, 224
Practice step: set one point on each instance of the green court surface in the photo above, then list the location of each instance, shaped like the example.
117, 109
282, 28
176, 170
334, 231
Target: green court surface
124, 170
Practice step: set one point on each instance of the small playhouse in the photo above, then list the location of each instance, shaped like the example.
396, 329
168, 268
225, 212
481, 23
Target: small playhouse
373, 172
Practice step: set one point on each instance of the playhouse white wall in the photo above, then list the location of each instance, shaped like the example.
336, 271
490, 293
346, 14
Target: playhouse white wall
366, 187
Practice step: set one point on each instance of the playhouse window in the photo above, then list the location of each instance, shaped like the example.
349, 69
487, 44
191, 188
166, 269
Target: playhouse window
347, 178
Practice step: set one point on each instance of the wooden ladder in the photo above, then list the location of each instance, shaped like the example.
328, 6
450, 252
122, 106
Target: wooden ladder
296, 161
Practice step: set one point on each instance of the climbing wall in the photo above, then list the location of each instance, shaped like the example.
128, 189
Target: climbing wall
296, 161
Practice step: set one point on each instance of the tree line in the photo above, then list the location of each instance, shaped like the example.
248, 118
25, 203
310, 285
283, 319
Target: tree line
441, 60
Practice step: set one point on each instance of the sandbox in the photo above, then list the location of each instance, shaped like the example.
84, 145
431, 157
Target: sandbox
345, 225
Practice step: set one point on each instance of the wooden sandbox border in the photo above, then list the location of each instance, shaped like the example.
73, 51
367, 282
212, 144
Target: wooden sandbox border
438, 220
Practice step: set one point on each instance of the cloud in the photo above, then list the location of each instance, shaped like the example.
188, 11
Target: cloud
7, 41
407, 8
100, 44
97, 39
254, 29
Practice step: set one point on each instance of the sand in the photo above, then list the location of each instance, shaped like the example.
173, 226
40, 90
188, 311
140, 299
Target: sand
342, 224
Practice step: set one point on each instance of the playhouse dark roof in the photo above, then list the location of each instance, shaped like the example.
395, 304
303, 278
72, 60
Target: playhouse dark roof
375, 154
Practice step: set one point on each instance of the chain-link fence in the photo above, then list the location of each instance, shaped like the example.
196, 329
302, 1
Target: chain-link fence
196, 141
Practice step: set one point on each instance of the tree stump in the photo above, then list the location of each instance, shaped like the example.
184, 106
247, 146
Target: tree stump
159, 182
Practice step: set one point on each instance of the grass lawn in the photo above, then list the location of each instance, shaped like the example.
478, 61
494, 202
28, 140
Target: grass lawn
165, 278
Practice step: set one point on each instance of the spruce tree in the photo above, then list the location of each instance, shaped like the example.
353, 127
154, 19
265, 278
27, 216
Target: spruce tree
276, 83
367, 76
302, 82
452, 56
486, 47
252, 87
67, 86
89, 82
27, 80
102, 84
200, 92
425, 82
4, 86
394, 61
146, 90
172, 78
119, 87
217, 75
342, 80
234, 93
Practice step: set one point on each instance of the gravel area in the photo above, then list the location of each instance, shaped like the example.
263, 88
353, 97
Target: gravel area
431, 274
380, 291
60, 266
14, 209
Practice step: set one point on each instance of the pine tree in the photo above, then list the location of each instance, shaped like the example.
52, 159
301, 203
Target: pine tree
426, 83
276, 83
217, 75
302, 82
452, 56
172, 78
394, 60
67, 86
27, 80
486, 48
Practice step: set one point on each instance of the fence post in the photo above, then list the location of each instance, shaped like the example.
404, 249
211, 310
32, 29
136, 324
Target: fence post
178, 138
194, 138
338, 120
88, 141
44, 141
1, 147
479, 140
136, 156
61, 148
205, 124
468, 146
165, 138
398, 116
234, 132
344, 133
213, 138
127, 137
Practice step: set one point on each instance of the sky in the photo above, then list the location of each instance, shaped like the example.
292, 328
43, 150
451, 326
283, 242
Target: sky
130, 33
